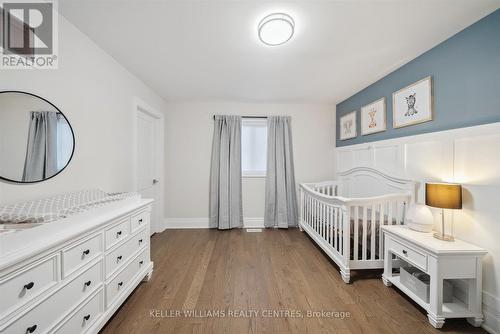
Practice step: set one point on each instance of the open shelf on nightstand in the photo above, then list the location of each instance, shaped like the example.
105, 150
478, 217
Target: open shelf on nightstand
395, 280
457, 309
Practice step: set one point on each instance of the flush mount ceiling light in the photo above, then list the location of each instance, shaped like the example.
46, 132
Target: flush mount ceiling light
276, 29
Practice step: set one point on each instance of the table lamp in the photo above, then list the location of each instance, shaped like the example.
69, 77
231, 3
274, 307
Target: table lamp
443, 196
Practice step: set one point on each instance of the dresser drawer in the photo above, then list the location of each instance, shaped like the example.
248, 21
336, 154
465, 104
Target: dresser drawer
142, 260
85, 316
45, 315
408, 253
81, 253
120, 283
123, 253
117, 233
139, 220
21, 286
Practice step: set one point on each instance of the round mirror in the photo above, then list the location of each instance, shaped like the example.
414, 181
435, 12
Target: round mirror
36, 139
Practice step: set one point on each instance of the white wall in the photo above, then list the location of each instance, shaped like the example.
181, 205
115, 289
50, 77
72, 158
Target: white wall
188, 135
97, 96
470, 156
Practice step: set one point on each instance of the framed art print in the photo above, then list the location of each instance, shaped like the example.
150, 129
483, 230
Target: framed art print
413, 104
348, 126
373, 117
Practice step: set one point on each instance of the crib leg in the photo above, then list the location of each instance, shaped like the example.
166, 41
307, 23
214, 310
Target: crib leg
300, 228
346, 275
386, 281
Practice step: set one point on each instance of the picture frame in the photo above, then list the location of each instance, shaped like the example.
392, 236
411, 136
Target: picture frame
348, 126
374, 117
413, 104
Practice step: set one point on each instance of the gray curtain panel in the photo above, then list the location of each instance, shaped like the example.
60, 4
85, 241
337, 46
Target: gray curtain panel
281, 196
226, 209
41, 153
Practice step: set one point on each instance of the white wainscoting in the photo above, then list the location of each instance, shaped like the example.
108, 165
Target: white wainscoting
491, 310
470, 156
191, 223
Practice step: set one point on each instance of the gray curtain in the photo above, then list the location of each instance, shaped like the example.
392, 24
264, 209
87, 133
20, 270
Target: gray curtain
226, 209
281, 196
41, 153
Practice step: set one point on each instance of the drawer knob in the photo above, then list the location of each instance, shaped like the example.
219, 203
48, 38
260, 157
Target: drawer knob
118, 258
88, 283
29, 286
140, 240
31, 329
141, 262
86, 252
118, 233
120, 284
405, 252
87, 317
140, 220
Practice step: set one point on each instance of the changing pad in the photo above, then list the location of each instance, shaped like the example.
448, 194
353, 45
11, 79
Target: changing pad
57, 207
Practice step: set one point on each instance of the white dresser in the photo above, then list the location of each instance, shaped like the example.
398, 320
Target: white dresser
70, 276
456, 261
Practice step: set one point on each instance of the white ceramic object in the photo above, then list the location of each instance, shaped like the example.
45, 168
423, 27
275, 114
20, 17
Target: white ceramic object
420, 218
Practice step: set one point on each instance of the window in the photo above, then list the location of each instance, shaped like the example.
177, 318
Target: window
64, 142
254, 147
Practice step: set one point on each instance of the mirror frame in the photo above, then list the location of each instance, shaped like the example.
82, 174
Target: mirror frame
70, 127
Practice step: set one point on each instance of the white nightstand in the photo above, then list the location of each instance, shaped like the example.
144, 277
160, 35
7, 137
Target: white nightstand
440, 260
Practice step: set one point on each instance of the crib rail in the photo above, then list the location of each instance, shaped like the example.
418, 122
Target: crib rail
329, 188
348, 229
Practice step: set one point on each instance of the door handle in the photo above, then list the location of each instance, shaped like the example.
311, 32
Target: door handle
155, 181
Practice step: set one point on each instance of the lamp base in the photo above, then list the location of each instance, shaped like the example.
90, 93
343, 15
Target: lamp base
444, 237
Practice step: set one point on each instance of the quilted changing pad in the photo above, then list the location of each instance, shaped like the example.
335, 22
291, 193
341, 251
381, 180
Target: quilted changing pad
57, 207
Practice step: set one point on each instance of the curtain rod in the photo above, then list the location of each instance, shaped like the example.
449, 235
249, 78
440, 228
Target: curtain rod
250, 116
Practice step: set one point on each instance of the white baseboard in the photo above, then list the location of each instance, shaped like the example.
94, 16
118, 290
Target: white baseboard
190, 223
186, 223
253, 222
491, 311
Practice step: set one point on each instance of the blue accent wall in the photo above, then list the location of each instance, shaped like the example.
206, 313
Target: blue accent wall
465, 70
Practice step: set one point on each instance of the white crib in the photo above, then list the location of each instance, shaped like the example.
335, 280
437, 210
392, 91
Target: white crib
343, 217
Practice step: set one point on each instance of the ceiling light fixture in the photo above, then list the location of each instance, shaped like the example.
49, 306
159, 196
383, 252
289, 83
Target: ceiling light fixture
276, 29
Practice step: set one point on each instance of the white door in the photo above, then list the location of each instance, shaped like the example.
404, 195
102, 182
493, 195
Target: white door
148, 162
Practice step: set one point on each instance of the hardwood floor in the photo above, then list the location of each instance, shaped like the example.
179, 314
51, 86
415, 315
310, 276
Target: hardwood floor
276, 270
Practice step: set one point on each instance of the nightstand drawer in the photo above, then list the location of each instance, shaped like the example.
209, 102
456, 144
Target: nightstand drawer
410, 254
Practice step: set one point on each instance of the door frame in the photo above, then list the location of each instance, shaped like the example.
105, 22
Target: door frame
142, 107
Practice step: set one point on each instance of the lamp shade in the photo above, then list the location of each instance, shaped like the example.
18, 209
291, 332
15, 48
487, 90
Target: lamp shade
443, 195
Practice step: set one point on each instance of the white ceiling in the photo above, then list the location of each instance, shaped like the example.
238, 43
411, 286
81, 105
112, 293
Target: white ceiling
208, 50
